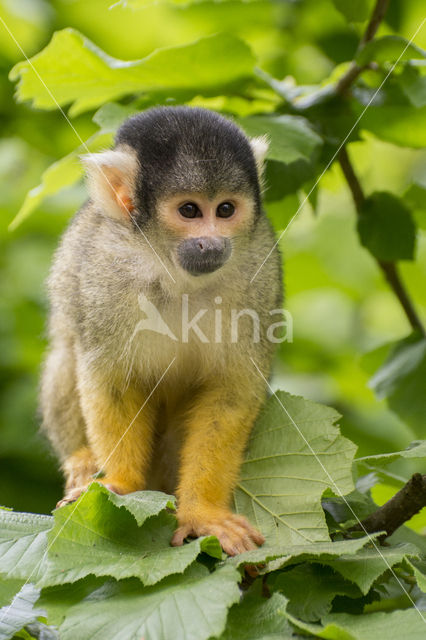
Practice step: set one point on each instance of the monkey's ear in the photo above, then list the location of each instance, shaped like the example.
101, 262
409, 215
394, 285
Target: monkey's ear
259, 147
111, 178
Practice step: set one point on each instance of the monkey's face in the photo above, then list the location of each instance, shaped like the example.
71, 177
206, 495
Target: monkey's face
202, 229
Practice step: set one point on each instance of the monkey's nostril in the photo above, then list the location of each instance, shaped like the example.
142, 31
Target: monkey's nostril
201, 245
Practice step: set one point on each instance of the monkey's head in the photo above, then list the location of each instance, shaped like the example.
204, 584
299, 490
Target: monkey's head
188, 178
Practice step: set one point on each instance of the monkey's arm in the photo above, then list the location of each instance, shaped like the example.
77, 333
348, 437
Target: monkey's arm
217, 431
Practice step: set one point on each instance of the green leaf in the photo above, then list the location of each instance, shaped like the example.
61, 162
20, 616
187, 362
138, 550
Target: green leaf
386, 228
279, 557
291, 137
58, 599
405, 534
68, 170
189, 607
140, 4
389, 49
93, 536
20, 612
78, 72
63, 173
354, 10
23, 542
409, 623
400, 124
416, 449
401, 380
111, 116
310, 589
419, 568
295, 453
367, 565
413, 83
142, 504
285, 179
8, 588
258, 618
355, 504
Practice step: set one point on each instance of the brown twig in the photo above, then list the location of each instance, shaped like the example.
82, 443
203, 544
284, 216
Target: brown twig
377, 16
354, 70
389, 269
403, 506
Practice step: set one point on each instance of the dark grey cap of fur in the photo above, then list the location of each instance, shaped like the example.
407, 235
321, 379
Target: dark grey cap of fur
188, 149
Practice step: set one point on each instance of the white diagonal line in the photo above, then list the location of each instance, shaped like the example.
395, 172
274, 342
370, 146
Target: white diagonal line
330, 162
82, 142
77, 504
337, 489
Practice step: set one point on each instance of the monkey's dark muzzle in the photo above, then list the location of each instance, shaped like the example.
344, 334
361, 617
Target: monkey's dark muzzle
203, 255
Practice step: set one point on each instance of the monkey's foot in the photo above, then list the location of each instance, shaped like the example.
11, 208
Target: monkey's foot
75, 492
234, 533
79, 469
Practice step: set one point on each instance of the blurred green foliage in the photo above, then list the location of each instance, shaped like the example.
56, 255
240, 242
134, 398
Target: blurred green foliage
344, 313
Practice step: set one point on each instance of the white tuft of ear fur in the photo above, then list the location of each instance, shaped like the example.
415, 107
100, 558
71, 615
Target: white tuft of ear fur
111, 178
260, 146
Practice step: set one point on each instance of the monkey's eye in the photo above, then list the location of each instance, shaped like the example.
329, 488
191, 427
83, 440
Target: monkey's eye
225, 210
189, 210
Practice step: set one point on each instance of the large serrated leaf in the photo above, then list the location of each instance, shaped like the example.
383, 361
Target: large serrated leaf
258, 618
294, 454
367, 565
78, 72
189, 607
416, 449
92, 536
20, 612
279, 557
311, 588
396, 625
141, 504
23, 543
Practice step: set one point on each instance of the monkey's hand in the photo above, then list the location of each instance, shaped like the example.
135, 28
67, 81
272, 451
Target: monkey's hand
234, 533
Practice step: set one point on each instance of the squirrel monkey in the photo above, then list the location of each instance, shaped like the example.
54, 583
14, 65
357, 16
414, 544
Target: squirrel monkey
173, 230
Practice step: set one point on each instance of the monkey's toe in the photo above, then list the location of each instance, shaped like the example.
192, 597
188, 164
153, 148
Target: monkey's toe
234, 533
71, 496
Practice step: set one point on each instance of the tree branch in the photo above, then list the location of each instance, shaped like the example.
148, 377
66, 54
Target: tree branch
377, 16
354, 70
389, 269
403, 506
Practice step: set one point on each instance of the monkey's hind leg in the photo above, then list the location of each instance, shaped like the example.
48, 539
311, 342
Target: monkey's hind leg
63, 422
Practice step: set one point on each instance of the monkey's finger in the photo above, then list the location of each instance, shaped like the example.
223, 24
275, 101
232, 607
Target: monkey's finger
233, 540
252, 531
239, 545
180, 534
257, 537
241, 526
